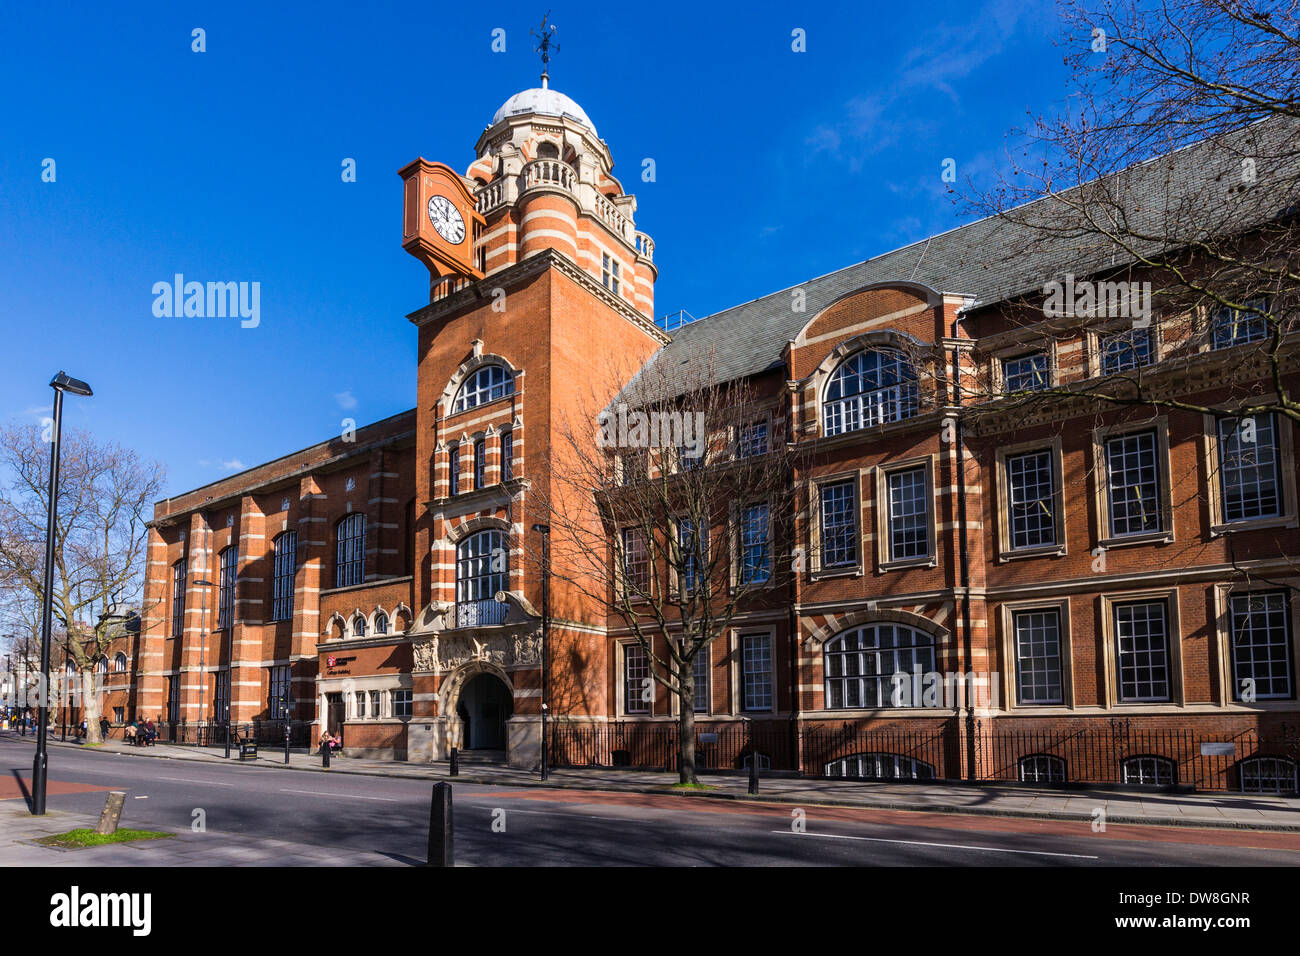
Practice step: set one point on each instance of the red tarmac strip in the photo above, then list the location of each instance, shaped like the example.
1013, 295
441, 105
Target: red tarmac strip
1263, 839
10, 790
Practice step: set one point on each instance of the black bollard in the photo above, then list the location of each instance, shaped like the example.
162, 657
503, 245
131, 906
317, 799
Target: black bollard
441, 850
753, 773
455, 762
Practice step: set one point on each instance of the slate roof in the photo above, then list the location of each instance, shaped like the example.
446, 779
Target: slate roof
998, 258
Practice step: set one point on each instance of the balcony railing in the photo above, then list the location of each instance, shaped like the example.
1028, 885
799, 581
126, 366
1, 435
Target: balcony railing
645, 246
548, 173
481, 613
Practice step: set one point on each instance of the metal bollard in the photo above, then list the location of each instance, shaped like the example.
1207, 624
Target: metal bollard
455, 762
753, 773
441, 849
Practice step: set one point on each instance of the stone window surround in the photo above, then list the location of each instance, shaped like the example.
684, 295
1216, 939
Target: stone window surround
1093, 335
351, 686
815, 485
1285, 431
1101, 483
734, 650
882, 473
1002, 511
1010, 689
1223, 641
1109, 691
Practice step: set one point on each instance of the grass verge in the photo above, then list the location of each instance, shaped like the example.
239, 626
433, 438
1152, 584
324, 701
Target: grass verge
84, 837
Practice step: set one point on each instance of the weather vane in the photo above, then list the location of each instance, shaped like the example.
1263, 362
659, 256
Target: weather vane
544, 46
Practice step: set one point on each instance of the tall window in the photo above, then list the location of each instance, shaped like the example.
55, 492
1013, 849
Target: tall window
636, 562
1133, 483
119, 663
482, 569
756, 671
860, 664
179, 570
278, 691
1038, 656
1142, 650
1031, 505
1231, 327
909, 525
221, 696
637, 687
1250, 476
1026, 373
609, 272
226, 588
1261, 646
286, 567
839, 525
174, 699
755, 545
487, 384
703, 683
751, 440
692, 548
870, 388
350, 567
507, 455
1125, 351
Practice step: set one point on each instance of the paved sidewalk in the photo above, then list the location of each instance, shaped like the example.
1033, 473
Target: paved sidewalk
18, 830
1231, 810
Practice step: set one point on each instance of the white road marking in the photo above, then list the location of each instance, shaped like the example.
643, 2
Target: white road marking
205, 783
946, 846
348, 796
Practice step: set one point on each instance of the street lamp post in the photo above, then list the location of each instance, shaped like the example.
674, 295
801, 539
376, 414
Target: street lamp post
284, 707
545, 531
40, 763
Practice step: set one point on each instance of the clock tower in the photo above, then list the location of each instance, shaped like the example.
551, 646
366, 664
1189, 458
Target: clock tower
440, 225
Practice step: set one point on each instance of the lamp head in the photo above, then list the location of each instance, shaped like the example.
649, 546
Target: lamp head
64, 382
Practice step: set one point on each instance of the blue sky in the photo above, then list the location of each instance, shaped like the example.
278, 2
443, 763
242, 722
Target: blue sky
772, 167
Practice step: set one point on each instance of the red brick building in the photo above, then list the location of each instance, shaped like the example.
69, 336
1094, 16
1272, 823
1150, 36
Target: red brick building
1115, 575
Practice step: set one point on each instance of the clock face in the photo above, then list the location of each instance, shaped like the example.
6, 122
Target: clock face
446, 220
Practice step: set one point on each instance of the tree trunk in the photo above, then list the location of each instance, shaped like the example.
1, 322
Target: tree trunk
686, 722
90, 706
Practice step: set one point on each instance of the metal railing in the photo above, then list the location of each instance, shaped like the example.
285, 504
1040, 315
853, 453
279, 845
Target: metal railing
481, 613
1115, 754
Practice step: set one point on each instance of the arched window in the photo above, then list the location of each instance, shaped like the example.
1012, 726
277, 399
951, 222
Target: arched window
101, 666
350, 567
119, 663
548, 150
869, 388
1148, 771
1269, 775
286, 566
860, 666
880, 766
486, 384
1042, 768
482, 569
381, 623
358, 626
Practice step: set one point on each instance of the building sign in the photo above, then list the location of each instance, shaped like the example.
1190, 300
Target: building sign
333, 662
1218, 749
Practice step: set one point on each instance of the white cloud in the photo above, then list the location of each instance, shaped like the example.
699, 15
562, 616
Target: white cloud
347, 401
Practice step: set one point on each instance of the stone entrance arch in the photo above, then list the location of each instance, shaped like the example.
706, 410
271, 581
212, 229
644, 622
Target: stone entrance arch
453, 695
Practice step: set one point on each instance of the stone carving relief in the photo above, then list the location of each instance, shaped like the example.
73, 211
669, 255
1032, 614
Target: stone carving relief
448, 651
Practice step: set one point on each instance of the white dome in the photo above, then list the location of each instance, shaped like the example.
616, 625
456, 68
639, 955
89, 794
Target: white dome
545, 101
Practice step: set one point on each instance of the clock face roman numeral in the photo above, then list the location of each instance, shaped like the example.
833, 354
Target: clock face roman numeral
446, 219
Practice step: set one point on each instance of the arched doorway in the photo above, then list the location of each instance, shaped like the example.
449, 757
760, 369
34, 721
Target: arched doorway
484, 705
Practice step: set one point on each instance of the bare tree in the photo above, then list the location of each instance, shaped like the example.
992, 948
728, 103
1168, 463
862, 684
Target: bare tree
673, 510
1177, 163
106, 494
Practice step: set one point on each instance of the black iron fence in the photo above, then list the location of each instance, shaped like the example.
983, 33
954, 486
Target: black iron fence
265, 733
1112, 754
